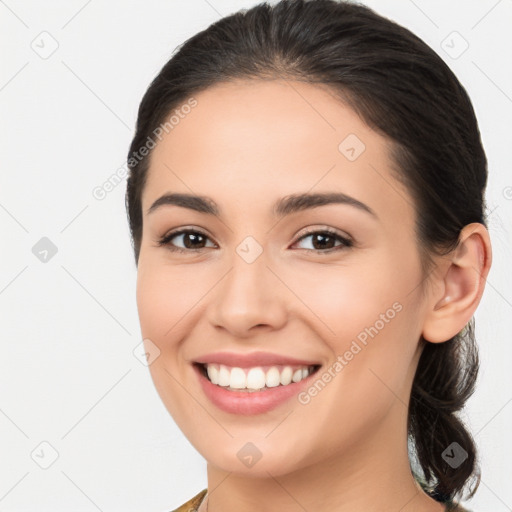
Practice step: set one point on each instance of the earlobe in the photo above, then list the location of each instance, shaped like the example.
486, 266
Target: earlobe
462, 282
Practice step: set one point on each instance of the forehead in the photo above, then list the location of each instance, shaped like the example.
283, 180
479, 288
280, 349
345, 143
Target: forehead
252, 139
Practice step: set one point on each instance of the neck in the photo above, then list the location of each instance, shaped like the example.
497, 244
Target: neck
372, 475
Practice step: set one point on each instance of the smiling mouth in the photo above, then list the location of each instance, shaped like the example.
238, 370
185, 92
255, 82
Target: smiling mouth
255, 379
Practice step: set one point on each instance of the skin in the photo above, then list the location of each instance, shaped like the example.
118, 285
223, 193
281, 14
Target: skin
247, 144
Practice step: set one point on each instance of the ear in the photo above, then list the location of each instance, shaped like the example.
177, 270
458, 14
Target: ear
459, 285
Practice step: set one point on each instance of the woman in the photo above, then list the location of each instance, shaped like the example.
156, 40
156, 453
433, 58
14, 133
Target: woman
306, 204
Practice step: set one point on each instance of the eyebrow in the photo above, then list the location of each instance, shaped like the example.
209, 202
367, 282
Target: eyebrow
285, 206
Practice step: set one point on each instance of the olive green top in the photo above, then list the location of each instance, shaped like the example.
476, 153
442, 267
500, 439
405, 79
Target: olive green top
193, 504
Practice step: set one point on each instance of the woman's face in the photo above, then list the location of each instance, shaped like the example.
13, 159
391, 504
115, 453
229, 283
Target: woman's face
257, 284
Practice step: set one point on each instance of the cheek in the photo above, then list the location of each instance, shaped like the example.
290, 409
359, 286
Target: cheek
165, 296
348, 299
366, 315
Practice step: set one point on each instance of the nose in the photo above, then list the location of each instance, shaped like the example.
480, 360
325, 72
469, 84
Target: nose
248, 299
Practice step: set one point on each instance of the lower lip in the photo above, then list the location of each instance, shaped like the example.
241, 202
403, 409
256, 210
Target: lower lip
248, 403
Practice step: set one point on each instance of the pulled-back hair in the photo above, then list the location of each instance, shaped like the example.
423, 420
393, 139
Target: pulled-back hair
403, 90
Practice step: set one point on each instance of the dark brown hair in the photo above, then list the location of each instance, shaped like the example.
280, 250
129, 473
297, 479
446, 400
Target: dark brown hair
402, 89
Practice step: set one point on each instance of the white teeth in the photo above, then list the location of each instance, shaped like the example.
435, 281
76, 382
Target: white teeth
297, 375
286, 375
238, 379
255, 378
213, 373
224, 376
273, 377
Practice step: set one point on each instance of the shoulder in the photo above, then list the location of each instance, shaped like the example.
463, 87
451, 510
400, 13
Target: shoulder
193, 504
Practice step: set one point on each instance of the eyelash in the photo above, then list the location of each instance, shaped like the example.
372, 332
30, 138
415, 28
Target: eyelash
346, 243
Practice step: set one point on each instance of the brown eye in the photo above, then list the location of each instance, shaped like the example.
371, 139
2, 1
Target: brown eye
325, 241
189, 239
193, 240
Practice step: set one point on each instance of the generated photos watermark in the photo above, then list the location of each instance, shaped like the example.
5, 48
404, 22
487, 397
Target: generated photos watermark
100, 192
342, 360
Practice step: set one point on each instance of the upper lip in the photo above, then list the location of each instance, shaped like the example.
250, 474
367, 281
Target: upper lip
247, 360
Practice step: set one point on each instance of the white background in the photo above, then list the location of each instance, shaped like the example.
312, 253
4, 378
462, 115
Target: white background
68, 375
